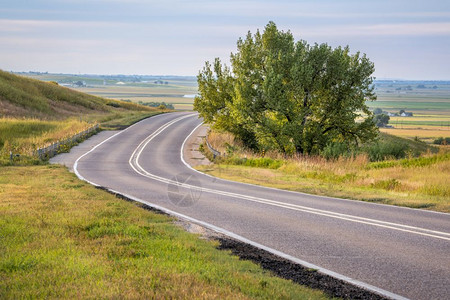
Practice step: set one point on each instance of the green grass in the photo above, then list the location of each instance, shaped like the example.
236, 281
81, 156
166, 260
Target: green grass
62, 238
24, 136
38, 97
410, 162
414, 147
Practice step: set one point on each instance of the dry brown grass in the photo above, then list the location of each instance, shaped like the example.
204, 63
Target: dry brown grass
25, 135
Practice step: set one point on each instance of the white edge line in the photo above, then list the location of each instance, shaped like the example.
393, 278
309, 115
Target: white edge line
231, 234
301, 193
273, 251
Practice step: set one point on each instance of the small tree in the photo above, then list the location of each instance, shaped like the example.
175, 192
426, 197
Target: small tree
381, 120
377, 111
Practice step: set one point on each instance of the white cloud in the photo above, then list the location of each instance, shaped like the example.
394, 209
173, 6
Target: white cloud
25, 25
404, 29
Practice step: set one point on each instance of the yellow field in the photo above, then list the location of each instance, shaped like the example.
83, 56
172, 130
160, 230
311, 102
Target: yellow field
186, 106
422, 118
426, 132
151, 93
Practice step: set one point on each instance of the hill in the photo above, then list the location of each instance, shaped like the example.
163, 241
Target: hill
35, 114
26, 97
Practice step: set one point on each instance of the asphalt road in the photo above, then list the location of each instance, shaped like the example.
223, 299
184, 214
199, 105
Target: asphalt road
402, 251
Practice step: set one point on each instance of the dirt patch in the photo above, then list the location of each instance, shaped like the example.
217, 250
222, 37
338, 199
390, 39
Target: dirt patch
191, 152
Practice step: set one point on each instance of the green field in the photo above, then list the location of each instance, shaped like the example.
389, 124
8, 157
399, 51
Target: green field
419, 97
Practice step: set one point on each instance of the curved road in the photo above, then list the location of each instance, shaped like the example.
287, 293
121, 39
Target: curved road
402, 252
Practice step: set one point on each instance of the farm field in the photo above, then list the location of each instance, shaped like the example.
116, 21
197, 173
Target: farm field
428, 101
426, 134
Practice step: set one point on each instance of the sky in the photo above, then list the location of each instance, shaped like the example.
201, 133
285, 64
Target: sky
406, 39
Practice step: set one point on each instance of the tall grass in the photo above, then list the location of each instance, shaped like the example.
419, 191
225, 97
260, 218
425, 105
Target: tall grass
23, 136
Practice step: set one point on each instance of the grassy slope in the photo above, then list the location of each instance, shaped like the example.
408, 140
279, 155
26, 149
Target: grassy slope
26, 97
62, 238
416, 147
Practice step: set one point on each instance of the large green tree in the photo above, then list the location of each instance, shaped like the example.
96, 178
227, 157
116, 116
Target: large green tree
289, 95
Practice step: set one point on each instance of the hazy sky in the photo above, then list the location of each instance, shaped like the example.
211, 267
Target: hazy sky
407, 39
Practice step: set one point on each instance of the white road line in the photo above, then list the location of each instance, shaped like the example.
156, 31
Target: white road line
134, 163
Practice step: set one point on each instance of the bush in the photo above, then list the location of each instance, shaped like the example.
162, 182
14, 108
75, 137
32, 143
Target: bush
113, 104
335, 149
383, 150
381, 120
157, 104
442, 141
389, 184
416, 162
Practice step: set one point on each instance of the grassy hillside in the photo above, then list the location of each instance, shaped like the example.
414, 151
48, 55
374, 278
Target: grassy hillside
35, 114
30, 98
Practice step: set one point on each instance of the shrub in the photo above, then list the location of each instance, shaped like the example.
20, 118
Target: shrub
389, 184
335, 149
384, 150
113, 104
442, 141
